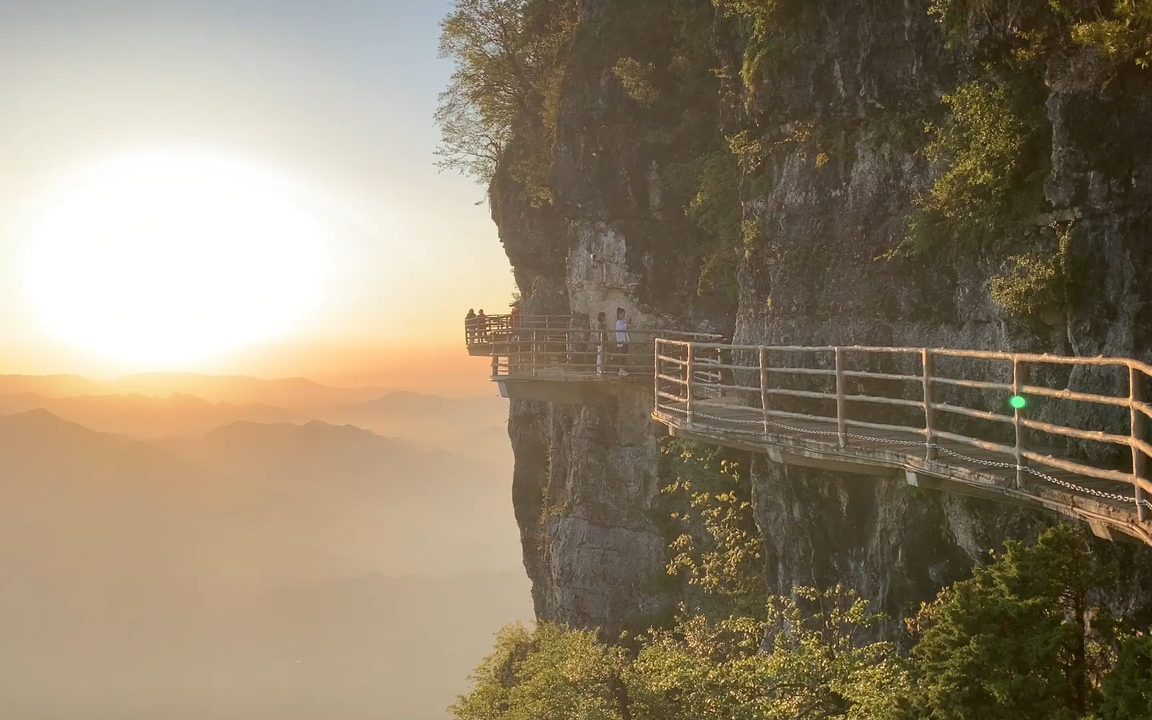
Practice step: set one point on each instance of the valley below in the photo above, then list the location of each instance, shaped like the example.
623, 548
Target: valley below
266, 551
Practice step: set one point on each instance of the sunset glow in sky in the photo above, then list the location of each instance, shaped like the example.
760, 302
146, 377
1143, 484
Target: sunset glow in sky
172, 258
234, 188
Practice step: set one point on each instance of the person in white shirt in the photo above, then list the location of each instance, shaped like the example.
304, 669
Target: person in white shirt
601, 341
623, 324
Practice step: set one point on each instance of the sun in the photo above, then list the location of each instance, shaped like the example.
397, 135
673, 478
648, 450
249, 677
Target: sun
166, 258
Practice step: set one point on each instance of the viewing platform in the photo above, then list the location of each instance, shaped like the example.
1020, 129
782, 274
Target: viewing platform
480, 331
576, 365
1000, 426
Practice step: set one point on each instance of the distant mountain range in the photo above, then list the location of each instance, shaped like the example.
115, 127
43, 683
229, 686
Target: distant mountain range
301, 501
472, 427
291, 393
220, 560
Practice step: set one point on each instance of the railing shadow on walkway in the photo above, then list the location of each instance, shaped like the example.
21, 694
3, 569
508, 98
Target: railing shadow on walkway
990, 421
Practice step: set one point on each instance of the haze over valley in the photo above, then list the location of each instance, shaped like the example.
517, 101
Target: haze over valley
246, 556
247, 470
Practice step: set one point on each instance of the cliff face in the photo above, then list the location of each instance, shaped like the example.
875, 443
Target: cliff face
824, 207
586, 478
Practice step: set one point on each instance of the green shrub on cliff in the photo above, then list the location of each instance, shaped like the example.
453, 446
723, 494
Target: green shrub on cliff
1124, 35
989, 149
804, 660
993, 147
1036, 283
548, 673
1026, 637
717, 545
1120, 29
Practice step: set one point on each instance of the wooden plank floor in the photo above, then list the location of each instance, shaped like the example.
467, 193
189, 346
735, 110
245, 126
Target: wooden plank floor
723, 421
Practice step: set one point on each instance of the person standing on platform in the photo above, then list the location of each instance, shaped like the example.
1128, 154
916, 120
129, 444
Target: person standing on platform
601, 341
514, 324
470, 326
623, 338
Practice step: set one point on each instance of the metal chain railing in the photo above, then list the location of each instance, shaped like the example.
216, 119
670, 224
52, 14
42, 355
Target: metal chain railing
916, 444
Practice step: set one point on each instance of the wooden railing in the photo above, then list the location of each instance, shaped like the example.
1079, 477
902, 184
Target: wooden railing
581, 353
481, 331
1010, 410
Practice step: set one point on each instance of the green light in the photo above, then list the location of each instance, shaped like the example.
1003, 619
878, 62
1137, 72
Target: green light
1018, 402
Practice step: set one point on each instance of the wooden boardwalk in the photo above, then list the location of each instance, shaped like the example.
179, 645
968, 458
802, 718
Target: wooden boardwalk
830, 429
855, 410
959, 468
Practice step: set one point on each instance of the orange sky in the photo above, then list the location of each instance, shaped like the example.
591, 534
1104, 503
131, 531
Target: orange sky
437, 368
311, 98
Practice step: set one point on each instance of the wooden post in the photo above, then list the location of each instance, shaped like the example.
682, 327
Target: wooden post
841, 434
656, 372
535, 353
1017, 373
1139, 461
691, 385
764, 388
928, 363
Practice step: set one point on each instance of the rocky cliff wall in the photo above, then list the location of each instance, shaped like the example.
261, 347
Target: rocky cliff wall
819, 210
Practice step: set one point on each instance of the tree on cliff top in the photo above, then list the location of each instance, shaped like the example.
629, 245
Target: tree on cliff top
506, 85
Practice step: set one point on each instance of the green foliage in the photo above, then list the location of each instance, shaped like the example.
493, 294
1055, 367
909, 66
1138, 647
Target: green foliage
1021, 639
771, 28
1024, 638
719, 547
637, 80
716, 209
991, 149
804, 660
1127, 689
550, 673
994, 147
510, 60
749, 151
1119, 29
1124, 36
1036, 283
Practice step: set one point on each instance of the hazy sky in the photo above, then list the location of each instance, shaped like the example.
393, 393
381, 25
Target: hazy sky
334, 97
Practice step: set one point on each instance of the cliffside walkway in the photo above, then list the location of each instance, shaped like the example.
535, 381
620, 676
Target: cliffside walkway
480, 333
554, 358
1001, 426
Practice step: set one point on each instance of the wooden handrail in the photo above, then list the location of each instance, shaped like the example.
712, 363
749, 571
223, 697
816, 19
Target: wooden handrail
754, 375
690, 372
